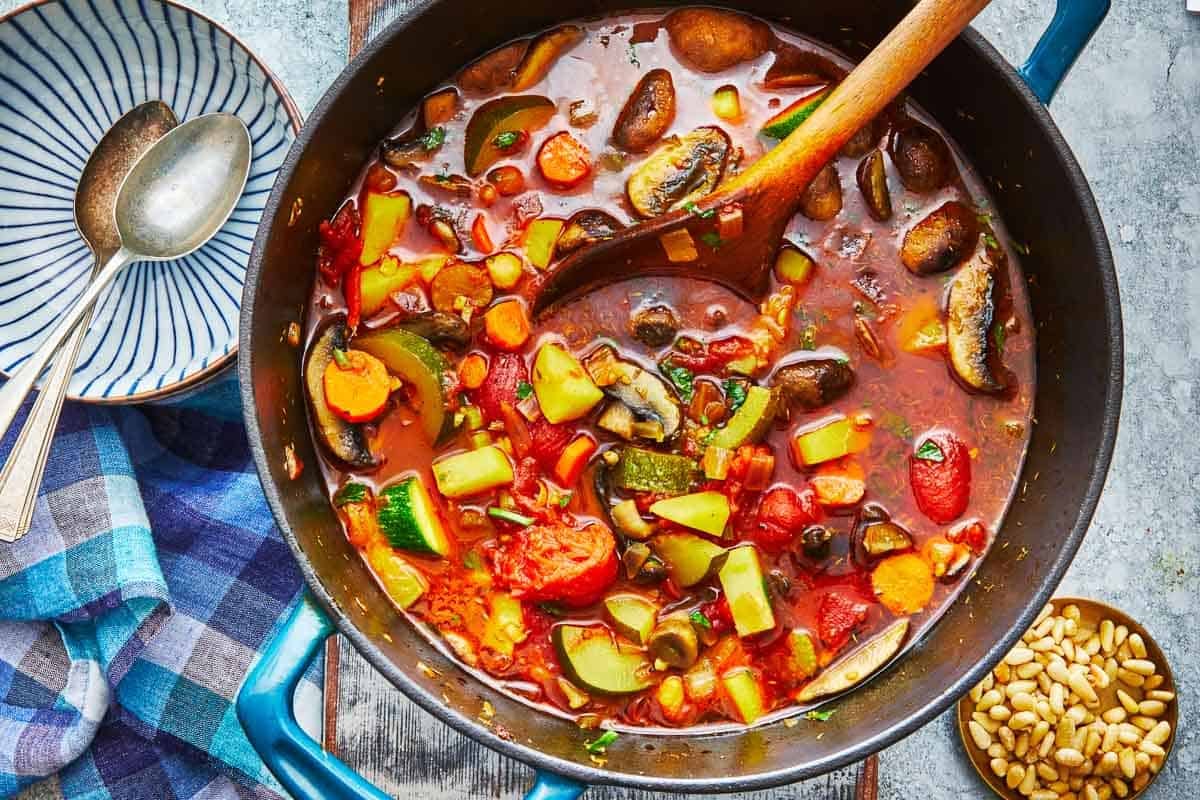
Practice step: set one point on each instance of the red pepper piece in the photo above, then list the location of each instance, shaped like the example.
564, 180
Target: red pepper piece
940, 472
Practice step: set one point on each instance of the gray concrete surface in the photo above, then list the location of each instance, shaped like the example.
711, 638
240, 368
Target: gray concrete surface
1131, 111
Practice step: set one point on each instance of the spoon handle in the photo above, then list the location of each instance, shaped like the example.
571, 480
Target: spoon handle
21, 478
13, 393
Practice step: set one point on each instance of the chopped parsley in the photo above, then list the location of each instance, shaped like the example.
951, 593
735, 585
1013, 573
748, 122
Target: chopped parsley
600, 743
699, 620
711, 239
350, 493
552, 608
735, 393
990, 241
472, 560
564, 500
692, 208
495, 512
680, 377
808, 338
433, 139
929, 451
524, 390
505, 139
819, 716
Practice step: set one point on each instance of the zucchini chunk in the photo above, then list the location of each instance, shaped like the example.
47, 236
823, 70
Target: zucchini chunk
592, 659
688, 558
742, 579
419, 364
641, 470
632, 616
706, 512
409, 519
751, 422
472, 472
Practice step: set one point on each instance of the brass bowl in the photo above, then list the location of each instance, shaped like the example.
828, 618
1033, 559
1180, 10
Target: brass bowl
1091, 612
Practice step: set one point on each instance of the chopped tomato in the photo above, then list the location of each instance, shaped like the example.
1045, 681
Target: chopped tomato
839, 614
715, 356
340, 245
352, 289
972, 533
557, 563
940, 473
783, 514
549, 441
505, 375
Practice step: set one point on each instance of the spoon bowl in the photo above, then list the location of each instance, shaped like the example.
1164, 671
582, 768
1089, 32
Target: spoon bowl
181, 193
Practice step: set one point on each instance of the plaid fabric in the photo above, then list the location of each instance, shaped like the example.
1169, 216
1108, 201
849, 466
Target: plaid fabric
130, 614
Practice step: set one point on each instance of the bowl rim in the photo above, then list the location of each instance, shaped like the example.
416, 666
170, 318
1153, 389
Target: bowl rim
540, 760
296, 119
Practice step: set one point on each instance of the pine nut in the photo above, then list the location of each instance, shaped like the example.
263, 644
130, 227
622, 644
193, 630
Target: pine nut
1044, 683
1137, 645
1089, 792
1160, 695
1092, 743
1156, 763
1144, 723
1119, 635
987, 723
1042, 645
1039, 732
1044, 794
1068, 648
1065, 732
1057, 697
1081, 687
1077, 713
1071, 612
1003, 672
999, 713
1110, 739
1075, 784
1107, 630
1092, 645
1018, 656
1045, 711
1141, 761
1021, 748
979, 735
1120, 788
1105, 792
1114, 715
990, 698
1150, 748
1022, 720
1046, 611
1140, 780
999, 767
1099, 677
1046, 747
1030, 670
1069, 757
1028, 782
997, 751
1153, 682
1139, 666
1128, 703
1130, 679
1023, 701
1108, 762
1046, 772
1127, 764
1160, 733
1016, 773
975, 693
1016, 687
1060, 629
1058, 671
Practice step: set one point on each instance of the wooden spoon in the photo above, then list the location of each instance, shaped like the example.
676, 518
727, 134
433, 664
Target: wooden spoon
769, 192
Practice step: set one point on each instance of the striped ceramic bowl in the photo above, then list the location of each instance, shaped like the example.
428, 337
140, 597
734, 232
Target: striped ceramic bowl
68, 70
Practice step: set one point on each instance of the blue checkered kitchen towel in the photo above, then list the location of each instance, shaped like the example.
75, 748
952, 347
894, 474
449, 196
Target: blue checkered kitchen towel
130, 614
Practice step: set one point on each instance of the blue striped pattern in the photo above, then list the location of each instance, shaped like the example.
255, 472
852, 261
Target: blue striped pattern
68, 70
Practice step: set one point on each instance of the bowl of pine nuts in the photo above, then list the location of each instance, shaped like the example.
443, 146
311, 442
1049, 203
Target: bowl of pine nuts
1082, 708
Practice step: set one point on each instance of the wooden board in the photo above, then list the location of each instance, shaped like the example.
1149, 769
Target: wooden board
406, 752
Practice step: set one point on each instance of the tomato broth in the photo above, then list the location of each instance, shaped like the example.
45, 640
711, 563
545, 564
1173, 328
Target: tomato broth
665, 505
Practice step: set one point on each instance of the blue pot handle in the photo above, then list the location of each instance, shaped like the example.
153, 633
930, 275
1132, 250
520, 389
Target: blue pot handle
1063, 40
264, 707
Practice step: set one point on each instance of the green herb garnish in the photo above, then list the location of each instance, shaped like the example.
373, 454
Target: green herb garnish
510, 516
552, 608
680, 377
819, 716
735, 393
699, 620
433, 139
350, 493
472, 560
929, 451
505, 139
565, 500
600, 743
990, 241
711, 239
691, 207
808, 337
524, 390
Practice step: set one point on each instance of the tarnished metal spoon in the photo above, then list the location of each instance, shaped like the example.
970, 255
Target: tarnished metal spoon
95, 204
174, 198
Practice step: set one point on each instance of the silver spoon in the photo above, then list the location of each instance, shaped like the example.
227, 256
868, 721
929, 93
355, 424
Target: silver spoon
95, 201
175, 197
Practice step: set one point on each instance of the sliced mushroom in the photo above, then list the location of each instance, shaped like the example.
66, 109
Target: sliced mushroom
884, 538
941, 240
921, 157
674, 642
681, 170
812, 383
586, 227
872, 182
864, 139
822, 198
647, 114
712, 40
405, 150
495, 70
796, 68
655, 326
859, 665
345, 441
438, 327
970, 310
645, 394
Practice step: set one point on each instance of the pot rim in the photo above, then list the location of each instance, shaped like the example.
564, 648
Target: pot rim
732, 783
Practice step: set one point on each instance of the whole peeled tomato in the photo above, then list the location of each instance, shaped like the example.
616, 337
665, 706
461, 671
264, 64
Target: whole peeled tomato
557, 563
940, 472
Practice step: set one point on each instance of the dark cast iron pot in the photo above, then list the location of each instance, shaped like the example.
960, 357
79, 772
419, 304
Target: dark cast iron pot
996, 114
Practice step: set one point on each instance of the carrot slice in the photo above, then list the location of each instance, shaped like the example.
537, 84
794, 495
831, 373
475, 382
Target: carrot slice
839, 483
357, 385
459, 285
472, 371
574, 458
507, 325
903, 583
508, 180
564, 160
